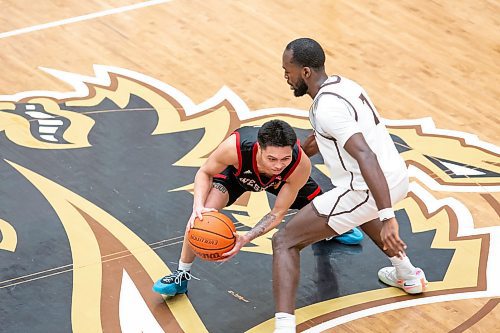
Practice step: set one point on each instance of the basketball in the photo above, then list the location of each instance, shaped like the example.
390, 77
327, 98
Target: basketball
212, 236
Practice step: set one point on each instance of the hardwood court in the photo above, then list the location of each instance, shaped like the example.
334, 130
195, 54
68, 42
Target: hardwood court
107, 108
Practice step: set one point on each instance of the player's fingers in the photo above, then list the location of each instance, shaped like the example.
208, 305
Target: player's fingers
385, 246
399, 243
393, 245
234, 250
399, 248
228, 255
190, 223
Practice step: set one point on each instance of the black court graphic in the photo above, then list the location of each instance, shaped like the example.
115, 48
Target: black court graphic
96, 189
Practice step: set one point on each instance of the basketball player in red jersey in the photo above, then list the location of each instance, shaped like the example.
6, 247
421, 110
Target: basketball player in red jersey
254, 159
365, 167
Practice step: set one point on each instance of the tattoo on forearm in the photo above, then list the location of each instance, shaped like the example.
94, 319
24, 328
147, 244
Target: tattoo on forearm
219, 187
261, 226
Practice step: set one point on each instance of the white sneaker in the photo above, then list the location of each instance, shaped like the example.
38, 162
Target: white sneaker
413, 285
284, 323
284, 330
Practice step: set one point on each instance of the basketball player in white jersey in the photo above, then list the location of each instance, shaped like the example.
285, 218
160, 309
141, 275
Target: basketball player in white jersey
366, 169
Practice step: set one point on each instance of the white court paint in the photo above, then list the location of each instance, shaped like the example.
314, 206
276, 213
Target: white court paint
135, 315
81, 18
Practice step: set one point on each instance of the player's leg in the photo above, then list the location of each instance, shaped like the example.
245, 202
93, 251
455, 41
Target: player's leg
402, 274
372, 229
306, 194
330, 214
176, 283
303, 229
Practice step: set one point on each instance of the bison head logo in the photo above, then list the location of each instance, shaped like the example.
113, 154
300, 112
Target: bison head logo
96, 189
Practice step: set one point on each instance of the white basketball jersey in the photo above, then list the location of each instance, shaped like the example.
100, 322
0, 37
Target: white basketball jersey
340, 109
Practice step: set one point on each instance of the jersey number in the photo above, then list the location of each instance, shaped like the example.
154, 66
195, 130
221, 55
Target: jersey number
365, 101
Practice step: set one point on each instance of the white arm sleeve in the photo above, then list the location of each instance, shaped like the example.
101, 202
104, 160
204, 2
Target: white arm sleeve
335, 117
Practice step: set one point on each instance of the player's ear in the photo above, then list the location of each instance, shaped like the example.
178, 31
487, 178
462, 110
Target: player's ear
259, 148
306, 72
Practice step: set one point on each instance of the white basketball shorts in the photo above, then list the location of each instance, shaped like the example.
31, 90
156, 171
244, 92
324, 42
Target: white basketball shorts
346, 209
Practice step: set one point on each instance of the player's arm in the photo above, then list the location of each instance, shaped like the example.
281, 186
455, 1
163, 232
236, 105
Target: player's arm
374, 177
284, 200
310, 146
225, 155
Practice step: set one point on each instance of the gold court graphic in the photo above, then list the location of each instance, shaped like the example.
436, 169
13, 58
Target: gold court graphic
107, 109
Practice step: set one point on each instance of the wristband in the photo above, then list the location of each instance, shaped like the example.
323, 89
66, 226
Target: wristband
385, 214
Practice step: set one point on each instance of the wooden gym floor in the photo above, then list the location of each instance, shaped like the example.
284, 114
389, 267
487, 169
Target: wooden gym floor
107, 109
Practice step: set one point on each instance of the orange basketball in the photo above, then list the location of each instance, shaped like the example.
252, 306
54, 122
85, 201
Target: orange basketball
212, 236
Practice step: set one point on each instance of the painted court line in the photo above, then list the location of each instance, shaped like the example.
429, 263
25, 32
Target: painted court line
81, 18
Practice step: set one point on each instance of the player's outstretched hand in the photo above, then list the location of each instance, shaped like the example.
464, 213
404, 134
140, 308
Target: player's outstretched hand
390, 238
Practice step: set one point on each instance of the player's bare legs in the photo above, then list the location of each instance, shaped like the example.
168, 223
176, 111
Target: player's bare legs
176, 283
303, 229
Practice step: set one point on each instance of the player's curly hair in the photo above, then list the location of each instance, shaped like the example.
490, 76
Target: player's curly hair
307, 52
276, 133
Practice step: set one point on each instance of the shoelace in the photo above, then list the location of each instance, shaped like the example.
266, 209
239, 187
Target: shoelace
177, 278
394, 276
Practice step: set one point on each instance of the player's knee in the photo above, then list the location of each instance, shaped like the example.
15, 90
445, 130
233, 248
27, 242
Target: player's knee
281, 241
278, 240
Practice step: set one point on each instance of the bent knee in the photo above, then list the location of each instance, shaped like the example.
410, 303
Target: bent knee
282, 241
278, 240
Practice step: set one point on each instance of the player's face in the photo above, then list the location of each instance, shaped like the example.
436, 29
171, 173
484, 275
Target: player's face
273, 160
293, 75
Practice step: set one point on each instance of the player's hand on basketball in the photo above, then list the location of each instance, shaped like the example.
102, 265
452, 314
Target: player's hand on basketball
198, 213
390, 238
241, 241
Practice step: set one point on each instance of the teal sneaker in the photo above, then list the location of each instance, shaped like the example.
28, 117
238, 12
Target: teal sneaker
173, 284
351, 237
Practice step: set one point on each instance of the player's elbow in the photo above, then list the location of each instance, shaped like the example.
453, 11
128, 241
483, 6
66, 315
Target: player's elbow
203, 173
310, 150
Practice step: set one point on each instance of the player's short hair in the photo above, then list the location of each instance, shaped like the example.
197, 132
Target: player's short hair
276, 133
307, 52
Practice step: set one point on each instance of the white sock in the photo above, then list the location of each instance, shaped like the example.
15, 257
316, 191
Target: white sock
284, 322
184, 266
404, 268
